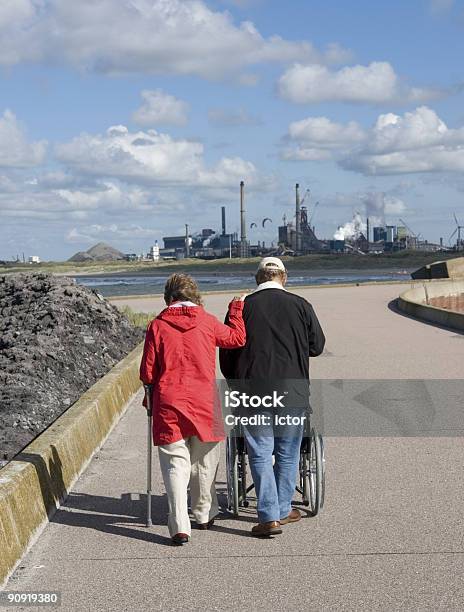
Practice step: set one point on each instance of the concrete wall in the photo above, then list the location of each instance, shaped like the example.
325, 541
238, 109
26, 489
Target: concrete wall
33, 485
449, 268
417, 302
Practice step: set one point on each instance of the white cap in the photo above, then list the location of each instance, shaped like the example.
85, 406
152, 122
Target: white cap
271, 263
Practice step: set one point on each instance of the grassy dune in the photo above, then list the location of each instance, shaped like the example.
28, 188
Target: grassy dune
138, 319
400, 260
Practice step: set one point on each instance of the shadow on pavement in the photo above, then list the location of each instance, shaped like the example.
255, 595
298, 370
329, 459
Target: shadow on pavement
247, 515
114, 515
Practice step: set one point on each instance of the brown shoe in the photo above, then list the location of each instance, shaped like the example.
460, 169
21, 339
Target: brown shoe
207, 525
265, 530
293, 517
179, 539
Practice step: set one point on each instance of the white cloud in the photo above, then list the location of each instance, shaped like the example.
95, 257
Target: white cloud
105, 179
143, 36
160, 108
106, 195
242, 3
394, 205
304, 153
7, 185
373, 84
15, 12
33, 199
380, 203
232, 118
417, 141
414, 130
229, 171
150, 158
336, 54
317, 138
436, 160
320, 131
109, 232
16, 17
15, 150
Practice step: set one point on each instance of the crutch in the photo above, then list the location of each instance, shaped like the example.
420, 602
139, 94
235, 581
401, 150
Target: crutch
148, 389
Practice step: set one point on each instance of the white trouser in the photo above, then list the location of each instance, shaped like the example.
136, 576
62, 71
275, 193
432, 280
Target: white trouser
190, 461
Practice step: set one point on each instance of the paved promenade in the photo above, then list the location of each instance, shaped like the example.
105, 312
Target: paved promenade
391, 535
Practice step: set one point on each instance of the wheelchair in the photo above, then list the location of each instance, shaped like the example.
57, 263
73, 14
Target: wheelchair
311, 479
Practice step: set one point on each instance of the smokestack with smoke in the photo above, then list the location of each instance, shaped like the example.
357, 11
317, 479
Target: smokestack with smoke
375, 202
297, 218
378, 204
223, 214
351, 230
208, 240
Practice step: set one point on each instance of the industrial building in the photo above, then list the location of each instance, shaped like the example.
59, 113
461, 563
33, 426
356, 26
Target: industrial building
209, 244
205, 244
299, 237
296, 237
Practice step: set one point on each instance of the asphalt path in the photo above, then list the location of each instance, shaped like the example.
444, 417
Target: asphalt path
390, 536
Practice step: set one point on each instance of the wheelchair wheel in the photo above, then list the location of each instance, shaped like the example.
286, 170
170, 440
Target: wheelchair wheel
242, 478
312, 473
233, 493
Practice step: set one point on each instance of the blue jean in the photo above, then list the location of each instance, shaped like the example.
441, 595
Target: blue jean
274, 485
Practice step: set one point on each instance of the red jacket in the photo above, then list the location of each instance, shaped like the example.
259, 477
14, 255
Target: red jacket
179, 359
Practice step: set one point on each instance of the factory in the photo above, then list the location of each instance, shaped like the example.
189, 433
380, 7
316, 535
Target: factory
210, 244
296, 236
299, 238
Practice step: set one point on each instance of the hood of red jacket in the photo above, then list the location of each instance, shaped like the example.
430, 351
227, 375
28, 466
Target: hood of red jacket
182, 318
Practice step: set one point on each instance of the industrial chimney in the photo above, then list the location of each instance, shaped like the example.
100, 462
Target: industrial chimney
223, 211
297, 219
243, 239
187, 241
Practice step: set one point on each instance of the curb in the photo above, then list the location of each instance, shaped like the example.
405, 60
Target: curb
37, 480
414, 302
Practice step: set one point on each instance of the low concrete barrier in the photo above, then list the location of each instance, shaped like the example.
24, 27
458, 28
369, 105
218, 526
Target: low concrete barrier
33, 485
449, 268
416, 302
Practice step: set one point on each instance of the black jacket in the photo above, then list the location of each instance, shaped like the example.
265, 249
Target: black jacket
282, 333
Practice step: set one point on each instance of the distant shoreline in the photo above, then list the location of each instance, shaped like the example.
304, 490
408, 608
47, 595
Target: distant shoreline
245, 273
406, 261
145, 283
238, 289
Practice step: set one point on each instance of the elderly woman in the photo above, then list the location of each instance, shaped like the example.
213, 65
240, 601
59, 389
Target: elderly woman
179, 359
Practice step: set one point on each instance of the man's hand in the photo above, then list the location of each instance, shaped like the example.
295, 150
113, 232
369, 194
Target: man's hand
240, 298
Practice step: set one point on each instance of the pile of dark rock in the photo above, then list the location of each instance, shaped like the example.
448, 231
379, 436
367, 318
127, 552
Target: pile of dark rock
57, 339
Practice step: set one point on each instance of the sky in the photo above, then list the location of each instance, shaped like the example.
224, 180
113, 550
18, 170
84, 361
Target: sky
122, 120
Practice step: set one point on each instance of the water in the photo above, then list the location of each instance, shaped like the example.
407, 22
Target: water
112, 285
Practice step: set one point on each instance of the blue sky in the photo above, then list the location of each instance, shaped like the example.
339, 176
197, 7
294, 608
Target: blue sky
121, 120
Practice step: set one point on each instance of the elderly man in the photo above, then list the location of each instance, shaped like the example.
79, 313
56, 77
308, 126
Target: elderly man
282, 333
